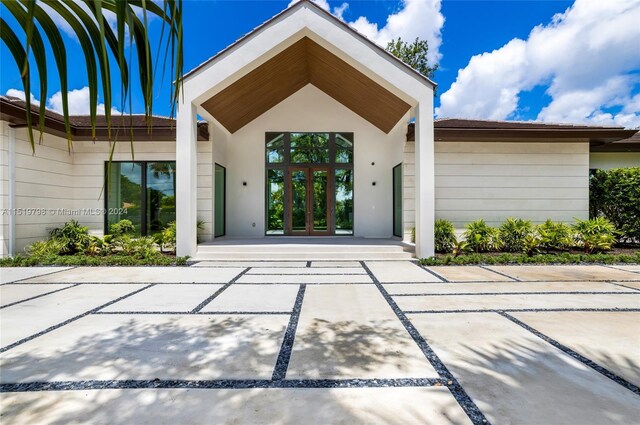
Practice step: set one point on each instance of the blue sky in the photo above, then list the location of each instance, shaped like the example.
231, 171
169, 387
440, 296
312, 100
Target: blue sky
528, 60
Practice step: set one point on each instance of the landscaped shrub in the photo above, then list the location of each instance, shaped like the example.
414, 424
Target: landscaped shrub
445, 236
615, 194
71, 238
596, 234
555, 235
481, 237
122, 227
513, 231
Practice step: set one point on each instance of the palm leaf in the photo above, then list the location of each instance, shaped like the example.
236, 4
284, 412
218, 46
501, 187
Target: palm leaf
98, 42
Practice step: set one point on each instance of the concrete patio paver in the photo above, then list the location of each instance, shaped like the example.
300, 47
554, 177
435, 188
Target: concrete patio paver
244, 264
611, 339
182, 297
141, 275
297, 279
254, 298
10, 294
13, 274
25, 319
515, 377
469, 273
393, 406
627, 300
306, 270
351, 332
557, 273
290, 342
502, 287
147, 347
400, 271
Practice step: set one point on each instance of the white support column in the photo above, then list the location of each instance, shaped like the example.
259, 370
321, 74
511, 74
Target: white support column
425, 178
11, 133
186, 179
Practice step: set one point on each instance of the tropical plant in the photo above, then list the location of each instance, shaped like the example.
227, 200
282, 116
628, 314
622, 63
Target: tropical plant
481, 237
615, 194
122, 227
554, 235
596, 234
100, 46
531, 244
71, 237
513, 231
460, 247
445, 235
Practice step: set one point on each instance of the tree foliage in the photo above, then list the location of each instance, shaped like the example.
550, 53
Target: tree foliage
615, 194
102, 47
413, 54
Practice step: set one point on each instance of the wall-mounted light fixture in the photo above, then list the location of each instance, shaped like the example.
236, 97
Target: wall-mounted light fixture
373, 183
244, 183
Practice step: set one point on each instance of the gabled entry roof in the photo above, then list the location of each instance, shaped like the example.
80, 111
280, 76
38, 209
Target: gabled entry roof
304, 62
305, 45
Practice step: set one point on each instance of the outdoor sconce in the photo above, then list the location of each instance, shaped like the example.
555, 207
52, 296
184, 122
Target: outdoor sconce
244, 183
373, 183
373, 163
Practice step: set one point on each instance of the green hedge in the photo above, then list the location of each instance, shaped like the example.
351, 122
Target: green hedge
615, 194
508, 258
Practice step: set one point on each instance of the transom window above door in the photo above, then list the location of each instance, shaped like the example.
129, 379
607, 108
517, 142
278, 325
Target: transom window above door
309, 148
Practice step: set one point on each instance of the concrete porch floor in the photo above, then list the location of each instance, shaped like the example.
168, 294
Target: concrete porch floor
305, 248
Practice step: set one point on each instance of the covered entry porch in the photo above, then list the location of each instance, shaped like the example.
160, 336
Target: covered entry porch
308, 123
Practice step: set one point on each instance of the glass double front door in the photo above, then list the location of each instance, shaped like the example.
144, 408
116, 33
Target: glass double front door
309, 188
310, 202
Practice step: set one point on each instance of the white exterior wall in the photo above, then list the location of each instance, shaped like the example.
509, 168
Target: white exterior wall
54, 179
608, 160
311, 110
44, 182
493, 181
409, 190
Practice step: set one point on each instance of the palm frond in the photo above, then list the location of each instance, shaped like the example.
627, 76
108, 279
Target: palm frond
100, 47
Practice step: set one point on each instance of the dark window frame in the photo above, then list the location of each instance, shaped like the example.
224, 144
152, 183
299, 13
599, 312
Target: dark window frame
393, 203
143, 185
224, 202
286, 165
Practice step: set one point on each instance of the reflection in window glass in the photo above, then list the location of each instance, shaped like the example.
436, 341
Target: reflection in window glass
309, 148
124, 195
275, 202
161, 195
320, 183
344, 150
275, 149
298, 200
344, 202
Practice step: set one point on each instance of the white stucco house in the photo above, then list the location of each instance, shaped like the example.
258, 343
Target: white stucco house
303, 127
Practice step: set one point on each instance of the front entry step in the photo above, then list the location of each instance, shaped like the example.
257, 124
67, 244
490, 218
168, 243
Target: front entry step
304, 256
290, 250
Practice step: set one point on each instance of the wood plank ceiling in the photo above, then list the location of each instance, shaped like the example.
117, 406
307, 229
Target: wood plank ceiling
304, 62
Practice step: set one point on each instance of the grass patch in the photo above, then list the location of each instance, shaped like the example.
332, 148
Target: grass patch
508, 258
88, 260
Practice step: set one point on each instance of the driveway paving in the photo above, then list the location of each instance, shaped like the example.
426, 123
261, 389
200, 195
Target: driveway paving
320, 342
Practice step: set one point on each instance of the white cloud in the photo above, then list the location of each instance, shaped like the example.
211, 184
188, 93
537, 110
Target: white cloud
414, 19
78, 103
21, 95
584, 55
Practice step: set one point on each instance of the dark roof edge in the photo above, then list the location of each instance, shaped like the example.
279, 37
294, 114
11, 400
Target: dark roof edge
595, 135
14, 111
326, 13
